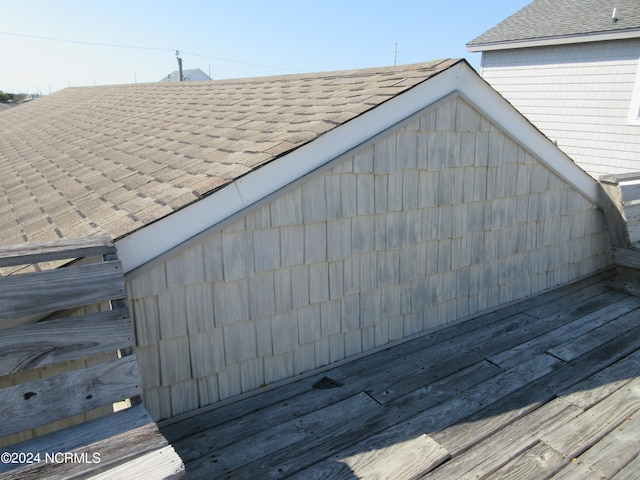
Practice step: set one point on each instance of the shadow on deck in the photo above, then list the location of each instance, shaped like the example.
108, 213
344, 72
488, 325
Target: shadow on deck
546, 388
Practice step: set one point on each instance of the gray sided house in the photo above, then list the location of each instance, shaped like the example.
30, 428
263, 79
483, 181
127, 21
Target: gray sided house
271, 227
571, 67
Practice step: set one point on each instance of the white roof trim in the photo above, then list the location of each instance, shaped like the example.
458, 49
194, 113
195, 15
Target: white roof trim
550, 41
157, 238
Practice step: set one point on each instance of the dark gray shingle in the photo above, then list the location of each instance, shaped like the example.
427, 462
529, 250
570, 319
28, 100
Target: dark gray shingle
547, 19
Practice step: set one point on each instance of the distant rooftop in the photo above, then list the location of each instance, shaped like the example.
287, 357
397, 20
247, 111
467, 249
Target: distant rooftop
193, 75
562, 21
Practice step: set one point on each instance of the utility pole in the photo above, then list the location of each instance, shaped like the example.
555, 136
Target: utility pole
179, 65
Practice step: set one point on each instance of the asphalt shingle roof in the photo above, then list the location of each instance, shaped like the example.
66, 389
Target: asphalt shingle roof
544, 19
114, 159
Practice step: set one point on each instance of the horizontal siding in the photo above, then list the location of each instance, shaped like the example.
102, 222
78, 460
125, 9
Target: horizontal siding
578, 95
438, 220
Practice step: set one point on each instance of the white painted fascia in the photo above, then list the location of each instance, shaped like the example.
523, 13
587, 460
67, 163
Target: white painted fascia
159, 237
551, 41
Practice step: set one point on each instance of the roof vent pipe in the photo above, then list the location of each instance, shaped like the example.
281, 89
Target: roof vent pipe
614, 15
180, 76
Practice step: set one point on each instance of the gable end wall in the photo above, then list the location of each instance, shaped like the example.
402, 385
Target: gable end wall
437, 220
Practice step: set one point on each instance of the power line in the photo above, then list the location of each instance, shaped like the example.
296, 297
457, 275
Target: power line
81, 42
114, 45
241, 63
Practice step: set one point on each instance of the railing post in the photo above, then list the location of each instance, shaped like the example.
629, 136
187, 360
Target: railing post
621, 205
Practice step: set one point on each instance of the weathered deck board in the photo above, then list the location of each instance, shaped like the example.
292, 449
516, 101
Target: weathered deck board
121, 448
630, 471
611, 310
36, 403
57, 341
374, 434
568, 377
539, 461
79, 435
626, 257
56, 290
502, 406
471, 433
380, 431
505, 444
574, 348
429, 420
160, 463
399, 461
610, 455
297, 431
599, 386
337, 437
11, 255
582, 431
313, 399
507, 335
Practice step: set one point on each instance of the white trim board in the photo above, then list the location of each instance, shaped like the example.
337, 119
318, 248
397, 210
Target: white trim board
552, 41
167, 233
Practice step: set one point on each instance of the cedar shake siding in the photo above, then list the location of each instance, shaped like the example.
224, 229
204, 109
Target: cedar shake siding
439, 218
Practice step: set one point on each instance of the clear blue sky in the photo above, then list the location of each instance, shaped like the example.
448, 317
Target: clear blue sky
228, 38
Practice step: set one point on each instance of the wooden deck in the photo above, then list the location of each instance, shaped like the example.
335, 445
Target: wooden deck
547, 388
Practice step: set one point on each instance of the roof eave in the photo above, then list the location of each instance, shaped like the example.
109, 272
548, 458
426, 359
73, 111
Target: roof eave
551, 41
158, 238
145, 244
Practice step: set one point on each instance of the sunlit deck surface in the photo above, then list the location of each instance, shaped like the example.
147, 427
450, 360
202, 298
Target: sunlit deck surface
546, 388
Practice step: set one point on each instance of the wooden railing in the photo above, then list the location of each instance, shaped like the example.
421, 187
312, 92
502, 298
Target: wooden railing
61, 377
622, 211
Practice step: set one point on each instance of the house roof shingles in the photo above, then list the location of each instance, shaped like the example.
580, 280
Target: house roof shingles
548, 19
114, 159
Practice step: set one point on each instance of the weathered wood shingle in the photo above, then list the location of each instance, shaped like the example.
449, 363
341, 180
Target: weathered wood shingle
365, 252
